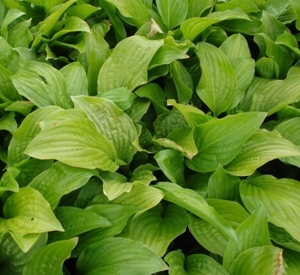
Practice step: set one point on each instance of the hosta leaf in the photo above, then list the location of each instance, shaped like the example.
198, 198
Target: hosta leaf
158, 227
8, 182
291, 259
220, 140
128, 63
218, 81
275, 95
222, 185
208, 235
12, 258
59, 180
47, 260
28, 212
193, 202
195, 264
76, 221
42, 84
258, 260
171, 163
8, 123
11, 15
8, 91
119, 256
246, 5
279, 196
117, 214
75, 142
296, 7
114, 124
82, 11
76, 79
197, 7
259, 149
132, 9
252, 232
172, 12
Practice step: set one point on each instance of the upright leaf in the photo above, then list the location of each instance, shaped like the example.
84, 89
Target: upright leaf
279, 196
220, 140
218, 80
119, 256
128, 63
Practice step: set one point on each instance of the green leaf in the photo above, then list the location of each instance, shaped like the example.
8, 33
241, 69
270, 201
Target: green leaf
171, 163
172, 12
258, 260
47, 261
279, 196
8, 123
259, 149
76, 79
197, 7
218, 81
112, 122
193, 202
59, 180
8, 182
246, 5
76, 221
108, 257
76, 142
296, 8
42, 84
289, 129
117, 214
23, 107
291, 259
82, 10
29, 209
135, 10
128, 62
122, 97
220, 140
207, 234
252, 232
158, 227
195, 264
223, 185
11, 15
12, 258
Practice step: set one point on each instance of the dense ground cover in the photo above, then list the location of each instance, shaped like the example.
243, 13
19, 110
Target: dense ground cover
149, 137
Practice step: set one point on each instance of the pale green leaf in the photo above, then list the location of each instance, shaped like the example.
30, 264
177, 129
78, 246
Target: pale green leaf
171, 163
42, 84
220, 140
28, 212
8, 181
135, 10
112, 122
208, 235
82, 10
8, 91
259, 149
195, 264
11, 15
218, 80
128, 63
158, 227
59, 180
8, 122
23, 107
108, 257
20, 35
246, 5
76, 221
258, 260
172, 12
252, 232
76, 142
279, 196
47, 260
76, 79
197, 7
193, 202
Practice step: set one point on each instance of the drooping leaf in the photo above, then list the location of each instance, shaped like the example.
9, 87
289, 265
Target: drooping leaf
195, 264
59, 180
157, 227
218, 80
28, 212
296, 7
279, 196
47, 261
76, 142
220, 140
193, 202
291, 259
259, 149
119, 255
128, 63
112, 122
